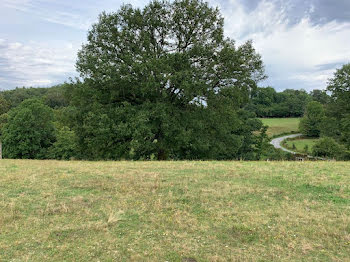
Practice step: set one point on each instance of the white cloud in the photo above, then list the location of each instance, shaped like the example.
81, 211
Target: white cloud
35, 64
292, 53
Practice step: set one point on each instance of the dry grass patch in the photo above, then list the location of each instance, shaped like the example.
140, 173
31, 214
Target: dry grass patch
174, 211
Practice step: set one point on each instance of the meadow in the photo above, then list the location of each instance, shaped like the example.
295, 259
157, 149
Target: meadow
279, 126
300, 144
174, 211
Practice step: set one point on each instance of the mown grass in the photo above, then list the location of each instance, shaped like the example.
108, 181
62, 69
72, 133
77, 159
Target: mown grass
174, 211
300, 144
278, 126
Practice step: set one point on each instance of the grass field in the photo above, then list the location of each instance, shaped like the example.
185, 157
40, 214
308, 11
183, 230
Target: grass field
300, 144
174, 211
279, 126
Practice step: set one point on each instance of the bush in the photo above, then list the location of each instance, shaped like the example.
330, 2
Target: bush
65, 146
4, 105
29, 131
3, 121
274, 154
310, 124
329, 148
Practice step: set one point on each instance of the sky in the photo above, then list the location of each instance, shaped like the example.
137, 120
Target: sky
302, 42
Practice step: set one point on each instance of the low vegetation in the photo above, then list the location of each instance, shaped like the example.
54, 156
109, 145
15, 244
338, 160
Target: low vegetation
328, 147
174, 211
278, 126
301, 145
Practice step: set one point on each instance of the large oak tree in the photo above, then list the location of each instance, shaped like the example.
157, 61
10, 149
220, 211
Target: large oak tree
163, 81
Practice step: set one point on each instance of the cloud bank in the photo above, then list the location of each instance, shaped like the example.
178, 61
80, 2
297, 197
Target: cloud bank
301, 42
34, 64
298, 52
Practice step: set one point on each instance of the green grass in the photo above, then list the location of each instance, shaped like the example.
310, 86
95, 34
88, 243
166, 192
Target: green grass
278, 126
300, 144
174, 211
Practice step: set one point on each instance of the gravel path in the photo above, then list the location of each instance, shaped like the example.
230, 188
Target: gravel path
276, 142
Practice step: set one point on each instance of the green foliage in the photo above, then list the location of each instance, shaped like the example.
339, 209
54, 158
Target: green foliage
64, 147
330, 127
273, 154
3, 121
266, 102
339, 86
4, 105
16, 96
29, 131
262, 144
320, 96
337, 121
345, 131
163, 81
53, 96
310, 124
328, 147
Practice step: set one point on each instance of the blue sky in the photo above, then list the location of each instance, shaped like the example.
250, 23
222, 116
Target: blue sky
302, 42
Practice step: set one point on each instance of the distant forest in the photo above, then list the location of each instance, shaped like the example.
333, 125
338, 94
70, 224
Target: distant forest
267, 102
58, 136
264, 102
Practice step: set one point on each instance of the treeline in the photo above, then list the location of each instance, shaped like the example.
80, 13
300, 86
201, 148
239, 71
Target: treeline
32, 125
267, 102
49, 123
63, 122
53, 96
331, 120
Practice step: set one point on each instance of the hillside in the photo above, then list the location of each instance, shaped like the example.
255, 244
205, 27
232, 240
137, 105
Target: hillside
174, 211
278, 126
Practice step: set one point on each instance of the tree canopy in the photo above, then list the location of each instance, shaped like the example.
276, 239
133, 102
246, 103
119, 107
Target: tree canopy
163, 82
29, 131
337, 122
166, 52
310, 124
4, 105
267, 102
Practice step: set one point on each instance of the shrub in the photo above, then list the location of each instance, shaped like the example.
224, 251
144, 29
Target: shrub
4, 105
29, 131
310, 124
328, 147
65, 146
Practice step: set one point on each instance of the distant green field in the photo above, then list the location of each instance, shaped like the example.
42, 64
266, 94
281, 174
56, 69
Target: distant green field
300, 144
279, 126
174, 211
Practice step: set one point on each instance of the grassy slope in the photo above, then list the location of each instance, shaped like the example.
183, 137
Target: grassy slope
281, 125
300, 143
174, 211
